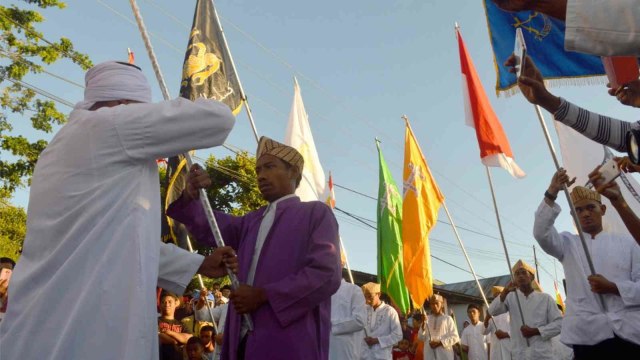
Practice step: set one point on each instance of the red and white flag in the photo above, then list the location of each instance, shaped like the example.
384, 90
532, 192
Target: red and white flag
330, 199
494, 145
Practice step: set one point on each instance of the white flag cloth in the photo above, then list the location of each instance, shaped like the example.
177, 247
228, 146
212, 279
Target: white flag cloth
312, 187
580, 156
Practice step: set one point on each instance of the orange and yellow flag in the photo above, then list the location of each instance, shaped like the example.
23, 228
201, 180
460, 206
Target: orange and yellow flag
422, 200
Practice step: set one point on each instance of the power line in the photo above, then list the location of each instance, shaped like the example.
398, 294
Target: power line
41, 92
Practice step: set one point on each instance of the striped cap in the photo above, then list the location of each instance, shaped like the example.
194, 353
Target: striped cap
283, 152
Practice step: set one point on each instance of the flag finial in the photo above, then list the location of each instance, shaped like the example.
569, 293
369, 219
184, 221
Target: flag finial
405, 118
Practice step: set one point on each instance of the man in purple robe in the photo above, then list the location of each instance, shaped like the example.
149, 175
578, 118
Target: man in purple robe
289, 261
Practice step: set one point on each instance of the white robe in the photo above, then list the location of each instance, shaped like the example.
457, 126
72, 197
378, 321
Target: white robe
92, 257
473, 337
440, 328
603, 27
348, 315
615, 257
540, 311
382, 323
500, 348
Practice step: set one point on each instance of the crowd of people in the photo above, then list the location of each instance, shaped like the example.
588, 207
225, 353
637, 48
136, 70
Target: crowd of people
92, 245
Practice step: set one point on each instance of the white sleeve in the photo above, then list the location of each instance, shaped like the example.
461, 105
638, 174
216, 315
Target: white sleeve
168, 128
464, 338
498, 307
177, 267
395, 331
554, 318
356, 319
603, 28
630, 289
545, 232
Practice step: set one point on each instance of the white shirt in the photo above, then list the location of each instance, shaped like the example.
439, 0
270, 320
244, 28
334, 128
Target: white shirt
382, 323
92, 253
615, 257
500, 348
540, 311
439, 328
473, 337
603, 27
348, 315
220, 316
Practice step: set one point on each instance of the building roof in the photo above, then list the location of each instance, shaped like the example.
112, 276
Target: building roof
470, 288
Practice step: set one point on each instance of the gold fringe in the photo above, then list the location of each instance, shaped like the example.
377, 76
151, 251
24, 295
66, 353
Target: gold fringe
558, 82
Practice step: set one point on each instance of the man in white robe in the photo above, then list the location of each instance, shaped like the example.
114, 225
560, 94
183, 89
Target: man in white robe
348, 315
542, 319
604, 28
382, 327
92, 257
439, 332
497, 328
592, 331
473, 340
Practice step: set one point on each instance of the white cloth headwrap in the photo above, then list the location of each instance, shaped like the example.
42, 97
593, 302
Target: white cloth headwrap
114, 81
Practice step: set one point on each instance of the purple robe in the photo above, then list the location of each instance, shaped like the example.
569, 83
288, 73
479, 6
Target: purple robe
299, 269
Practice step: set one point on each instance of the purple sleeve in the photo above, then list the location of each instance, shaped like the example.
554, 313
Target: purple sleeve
297, 294
191, 214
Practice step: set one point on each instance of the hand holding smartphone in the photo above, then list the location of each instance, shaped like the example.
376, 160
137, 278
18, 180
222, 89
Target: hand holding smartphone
520, 52
609, 171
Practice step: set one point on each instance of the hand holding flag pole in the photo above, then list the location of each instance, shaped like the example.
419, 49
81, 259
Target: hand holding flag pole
203, 196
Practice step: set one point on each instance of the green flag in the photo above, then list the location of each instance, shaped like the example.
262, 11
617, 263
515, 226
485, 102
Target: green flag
389, 213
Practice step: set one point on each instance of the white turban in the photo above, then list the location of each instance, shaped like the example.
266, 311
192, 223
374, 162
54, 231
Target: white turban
114, 80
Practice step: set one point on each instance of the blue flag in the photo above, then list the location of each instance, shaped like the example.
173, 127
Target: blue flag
544, 37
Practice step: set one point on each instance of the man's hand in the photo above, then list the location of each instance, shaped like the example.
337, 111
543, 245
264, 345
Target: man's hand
435, 344
215, 265
531, 85
514, 5
247, 298
4, 284
625, 164
507, 289
197, 179
219, 338
559, 179
486, 321
600, 285
371, 341
555, 8
628, 94
529, 331
502, 334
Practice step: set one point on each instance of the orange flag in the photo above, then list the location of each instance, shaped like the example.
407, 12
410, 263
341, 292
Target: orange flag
559, 300
421, 202
494, 145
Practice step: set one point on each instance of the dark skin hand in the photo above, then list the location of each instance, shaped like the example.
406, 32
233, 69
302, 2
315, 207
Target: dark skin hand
600, 285
435, 344
247, 299
626, 165
555, 8
528, 332
502, 334
371, 341
627, 94
532, 86
215, 265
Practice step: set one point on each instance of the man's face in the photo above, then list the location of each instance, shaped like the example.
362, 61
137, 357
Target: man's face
206, 337
168, 305
194, 351
436, 306
523, 277
226, 293
275, 177
372, 299
590, 214
474, 315
215, 287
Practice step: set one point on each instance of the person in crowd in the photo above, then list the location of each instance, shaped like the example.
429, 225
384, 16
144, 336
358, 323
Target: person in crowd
473, 341
497, 330
439, 332
595, 329
226, 292
171, 334
94, 223
542, 319
604, 28
207, 334
403, 351
382, 328
6, 267
289, 257
417, 319
195, 349
348, 315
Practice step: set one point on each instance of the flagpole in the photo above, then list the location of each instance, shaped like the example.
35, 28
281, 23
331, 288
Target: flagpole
504, 245
215, 326
346, 260
547, 136
204, 200
235, 72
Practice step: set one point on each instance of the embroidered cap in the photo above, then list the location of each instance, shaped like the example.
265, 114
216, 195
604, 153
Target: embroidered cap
523, 265
436, 297
371, 287
580, 193
496, 290
286, 153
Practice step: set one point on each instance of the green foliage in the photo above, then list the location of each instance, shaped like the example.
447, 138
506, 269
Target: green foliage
13, 227
25, 51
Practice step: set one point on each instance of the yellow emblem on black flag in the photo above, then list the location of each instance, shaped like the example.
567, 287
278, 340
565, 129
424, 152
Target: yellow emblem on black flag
207, 72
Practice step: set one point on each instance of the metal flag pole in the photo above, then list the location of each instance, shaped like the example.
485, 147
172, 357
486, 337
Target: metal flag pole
215, 326
504, 246
204, 200
346, 260
547, 136
235, 72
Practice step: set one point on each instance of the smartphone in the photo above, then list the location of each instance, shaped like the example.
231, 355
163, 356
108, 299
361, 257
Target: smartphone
520, 52
609, 171
5, 274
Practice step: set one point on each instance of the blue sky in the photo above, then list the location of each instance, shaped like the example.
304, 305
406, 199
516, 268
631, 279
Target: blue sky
361, 65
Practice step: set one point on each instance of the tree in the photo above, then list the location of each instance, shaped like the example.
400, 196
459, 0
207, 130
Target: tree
27, 52
13, 227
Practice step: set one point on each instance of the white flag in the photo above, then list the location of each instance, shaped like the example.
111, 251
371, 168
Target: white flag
312, 187
580, 155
